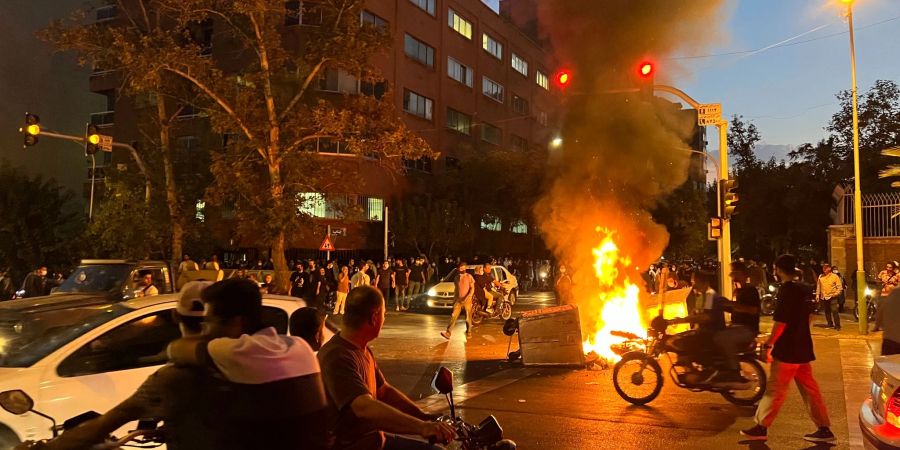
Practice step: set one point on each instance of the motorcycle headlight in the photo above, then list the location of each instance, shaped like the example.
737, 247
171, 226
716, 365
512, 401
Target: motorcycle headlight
868, 292
771, 288
432, 292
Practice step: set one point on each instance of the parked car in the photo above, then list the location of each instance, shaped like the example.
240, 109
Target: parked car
879, 416
113, 279
75, 356
442, 295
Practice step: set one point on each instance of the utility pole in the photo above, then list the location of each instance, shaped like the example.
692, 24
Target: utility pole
386, 227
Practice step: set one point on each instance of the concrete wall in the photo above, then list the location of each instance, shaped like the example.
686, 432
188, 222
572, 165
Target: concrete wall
876, 251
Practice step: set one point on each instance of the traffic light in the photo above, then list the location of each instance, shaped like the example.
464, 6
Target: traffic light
563, 78
729, 197
31, 129
646, 72
91, 140
714, 228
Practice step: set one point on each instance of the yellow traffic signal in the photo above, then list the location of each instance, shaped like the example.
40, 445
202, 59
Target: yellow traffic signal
31, 130
729, 197
91, 139
94, 139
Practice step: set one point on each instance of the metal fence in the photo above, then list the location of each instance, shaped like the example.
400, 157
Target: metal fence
879, 213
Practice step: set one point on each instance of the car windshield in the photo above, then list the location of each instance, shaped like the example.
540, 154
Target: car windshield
27, 336
99, 278
450, 276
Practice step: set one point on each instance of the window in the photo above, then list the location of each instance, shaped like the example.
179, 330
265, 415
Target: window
311, 204
107, 13
425, 5
492, 89
459, 72
519, 64
541, 79
204, 37
367, 18
519, 227
459, 122
490, 222
376, 90
451, 162
491, 46
416, 104
200, 211
419, 51
492, 134
292, 13
519, 105
337, 80
518, 142
375, 209
541, 118
462, 26
421, 164
139, 343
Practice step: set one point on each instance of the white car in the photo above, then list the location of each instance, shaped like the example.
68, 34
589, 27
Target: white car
443, 294
73, 356
879, 417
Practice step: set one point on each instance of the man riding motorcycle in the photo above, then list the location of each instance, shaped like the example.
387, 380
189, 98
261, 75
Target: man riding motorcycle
744, 321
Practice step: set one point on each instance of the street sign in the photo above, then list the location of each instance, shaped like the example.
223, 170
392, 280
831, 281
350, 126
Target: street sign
105, 143
339, 231
709, 114
327, 246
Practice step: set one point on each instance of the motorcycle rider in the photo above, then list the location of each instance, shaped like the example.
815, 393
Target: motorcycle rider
744, 322
707, 314
366, 409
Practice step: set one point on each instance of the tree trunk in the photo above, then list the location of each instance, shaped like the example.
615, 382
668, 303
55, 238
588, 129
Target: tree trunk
165, 151
276, 188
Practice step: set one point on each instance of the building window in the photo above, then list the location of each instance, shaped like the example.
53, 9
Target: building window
338, 80
541, 117
200, 211
203, 37
518, 227
462, 26
459, 122
459, 72
451, 163
492, 89
292, 13
376, 90
519, 65
518, 142
419, 51
311, 204
541, 79
421, 164
491, 46
519, 105
375, 209
106, 13
425, 5
416, 104
490, 223
367, 18
491, 134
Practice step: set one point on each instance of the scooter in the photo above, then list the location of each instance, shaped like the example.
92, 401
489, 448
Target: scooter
502, 307
769, 300
488, 435
17, 402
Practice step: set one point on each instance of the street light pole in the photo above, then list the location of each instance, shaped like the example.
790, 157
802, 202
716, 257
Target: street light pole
857, 190
93, 177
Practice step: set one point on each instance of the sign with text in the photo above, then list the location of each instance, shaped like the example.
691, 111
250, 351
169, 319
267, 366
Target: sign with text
709, 114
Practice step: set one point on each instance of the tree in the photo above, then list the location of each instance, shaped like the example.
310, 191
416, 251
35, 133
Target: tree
742, 139
432, 227
684, 213
125, 226
39, 225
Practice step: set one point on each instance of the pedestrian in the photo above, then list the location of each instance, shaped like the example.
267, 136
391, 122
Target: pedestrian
7, 291
564, 286
889, 280
187, 264
212, 264
361, 278
311, 292
372, 272
465, 291
384, 281
401, 280
35, 282
343, 288
352, 268
790, 351
324, 288
417, 278
268, 285
828, 290
298, 280
843, 297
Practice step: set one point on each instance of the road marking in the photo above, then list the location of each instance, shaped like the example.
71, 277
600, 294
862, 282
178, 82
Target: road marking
436, 403
856, 365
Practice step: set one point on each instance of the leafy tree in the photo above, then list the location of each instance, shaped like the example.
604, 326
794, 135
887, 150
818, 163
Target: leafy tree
39, 225
742, 140
125, 226
685, 212
432, 226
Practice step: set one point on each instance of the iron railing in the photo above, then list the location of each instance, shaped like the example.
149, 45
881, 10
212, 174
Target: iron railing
879, 213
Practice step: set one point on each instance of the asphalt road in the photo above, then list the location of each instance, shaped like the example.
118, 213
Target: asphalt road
578, 409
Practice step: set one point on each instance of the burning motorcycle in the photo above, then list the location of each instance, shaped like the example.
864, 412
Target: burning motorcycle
638, 376
502, 307
488, 435
146, 436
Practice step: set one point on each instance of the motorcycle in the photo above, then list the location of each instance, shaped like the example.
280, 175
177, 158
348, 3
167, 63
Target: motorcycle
769, 300
17, 402
488, 435
502, 307
638, 376
871, 309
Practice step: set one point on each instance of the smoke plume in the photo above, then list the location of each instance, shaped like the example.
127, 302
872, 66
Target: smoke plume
620, 154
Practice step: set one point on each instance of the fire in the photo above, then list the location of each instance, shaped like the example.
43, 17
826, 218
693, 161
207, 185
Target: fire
619, 297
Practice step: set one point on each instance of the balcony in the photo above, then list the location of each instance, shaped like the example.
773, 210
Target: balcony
103, 119
106, 13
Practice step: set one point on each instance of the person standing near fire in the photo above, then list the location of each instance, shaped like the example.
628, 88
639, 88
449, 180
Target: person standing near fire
465, 291
564, 286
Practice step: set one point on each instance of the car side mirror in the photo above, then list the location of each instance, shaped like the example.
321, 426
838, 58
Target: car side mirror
443, 381
16, 402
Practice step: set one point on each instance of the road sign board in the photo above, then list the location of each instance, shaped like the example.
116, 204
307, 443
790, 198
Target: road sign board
709, 114
327, 246
338, 231
707, 121
105, 143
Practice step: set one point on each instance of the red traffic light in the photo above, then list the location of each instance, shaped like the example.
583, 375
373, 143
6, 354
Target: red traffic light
646, 69
563, 78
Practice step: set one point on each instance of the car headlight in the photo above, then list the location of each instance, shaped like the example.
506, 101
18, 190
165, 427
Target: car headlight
868, 292
543, 274
432, 292
771, 288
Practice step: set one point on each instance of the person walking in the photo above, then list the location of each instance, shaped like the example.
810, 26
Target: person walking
35, 282
384, 281
465, 290
828, 291
361, 278
343, 288
790, 350
401, 280
416, 278
212, 264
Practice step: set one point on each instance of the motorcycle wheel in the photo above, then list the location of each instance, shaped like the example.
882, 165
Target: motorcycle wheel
637, 378
477, 314
871, 311
512, 298
505, 310
767, 307
752, 370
